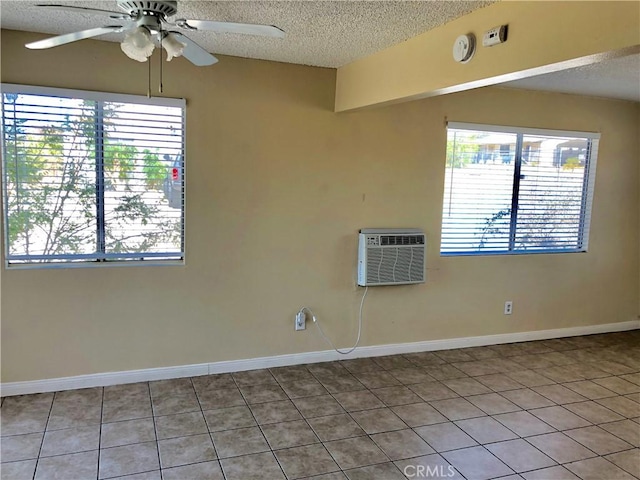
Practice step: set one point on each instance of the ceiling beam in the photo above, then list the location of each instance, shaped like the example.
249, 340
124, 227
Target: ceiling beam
543, 37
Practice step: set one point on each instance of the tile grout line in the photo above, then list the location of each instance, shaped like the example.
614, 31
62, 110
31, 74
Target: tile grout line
215, 450
306, 420
100, 432
44, 433
348, 413
258, 423
332, 395
155, 428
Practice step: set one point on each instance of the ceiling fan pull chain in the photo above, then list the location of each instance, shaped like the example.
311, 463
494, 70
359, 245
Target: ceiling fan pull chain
149, 78
160, 37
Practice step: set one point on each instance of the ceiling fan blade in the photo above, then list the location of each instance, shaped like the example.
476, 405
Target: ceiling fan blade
72, 37
71, 8
229, 27
194, 52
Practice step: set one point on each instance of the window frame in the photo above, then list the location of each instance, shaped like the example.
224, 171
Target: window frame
89, 260
593, 139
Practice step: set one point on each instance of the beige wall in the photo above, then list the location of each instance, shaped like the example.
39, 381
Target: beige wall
277, 187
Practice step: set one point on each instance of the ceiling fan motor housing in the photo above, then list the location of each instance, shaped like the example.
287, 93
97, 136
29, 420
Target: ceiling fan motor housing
143, 8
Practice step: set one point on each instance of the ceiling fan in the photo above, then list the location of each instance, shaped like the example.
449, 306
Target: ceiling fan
144, 20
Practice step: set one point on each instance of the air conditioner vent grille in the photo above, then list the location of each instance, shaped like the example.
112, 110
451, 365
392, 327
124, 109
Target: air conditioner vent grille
391, 259
402, 239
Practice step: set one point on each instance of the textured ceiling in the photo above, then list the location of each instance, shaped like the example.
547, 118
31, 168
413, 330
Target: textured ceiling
320, 33
326, 34
616, 78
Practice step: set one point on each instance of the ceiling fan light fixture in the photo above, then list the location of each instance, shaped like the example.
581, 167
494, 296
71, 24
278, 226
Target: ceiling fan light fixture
138, 44
173, 46
146, 20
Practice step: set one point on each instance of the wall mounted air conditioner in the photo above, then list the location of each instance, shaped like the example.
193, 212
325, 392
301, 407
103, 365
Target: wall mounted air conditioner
391, 256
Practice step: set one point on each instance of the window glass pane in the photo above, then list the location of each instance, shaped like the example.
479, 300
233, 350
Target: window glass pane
50, 172
551, 193
478, 191
91, 178
143, 202
517, 190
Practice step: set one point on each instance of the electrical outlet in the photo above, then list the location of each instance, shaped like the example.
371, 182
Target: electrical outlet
508, 307
300, 321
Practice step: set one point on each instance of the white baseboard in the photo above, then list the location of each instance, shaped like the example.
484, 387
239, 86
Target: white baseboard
163, 373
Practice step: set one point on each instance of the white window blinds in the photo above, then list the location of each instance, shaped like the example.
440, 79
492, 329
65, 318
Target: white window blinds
515, 190
88, 176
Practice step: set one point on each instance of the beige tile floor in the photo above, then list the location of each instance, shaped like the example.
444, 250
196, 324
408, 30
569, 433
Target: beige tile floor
557, 409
